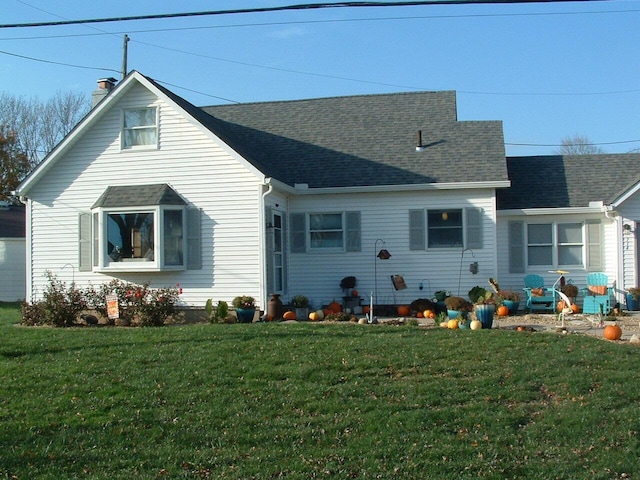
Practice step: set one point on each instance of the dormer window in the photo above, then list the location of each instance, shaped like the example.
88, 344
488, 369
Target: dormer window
140, 128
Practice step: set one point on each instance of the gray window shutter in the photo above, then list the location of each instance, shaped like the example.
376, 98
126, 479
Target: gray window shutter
85, 259
417, 237
474, 227
516, 247
594, 246
194, 239
354, 242
298, 232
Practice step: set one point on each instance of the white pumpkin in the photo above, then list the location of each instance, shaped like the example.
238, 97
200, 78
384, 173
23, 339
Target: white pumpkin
320, 314
476, 325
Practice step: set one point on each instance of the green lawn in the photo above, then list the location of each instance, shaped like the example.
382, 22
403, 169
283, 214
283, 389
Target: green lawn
314, 401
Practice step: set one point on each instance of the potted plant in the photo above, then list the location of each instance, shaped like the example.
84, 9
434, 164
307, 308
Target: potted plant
245, 308
632, 296
457, 307
301, 304
510, 299
484, 302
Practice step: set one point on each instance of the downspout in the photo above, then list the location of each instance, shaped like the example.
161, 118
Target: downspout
263, 245
611, 214
28, 249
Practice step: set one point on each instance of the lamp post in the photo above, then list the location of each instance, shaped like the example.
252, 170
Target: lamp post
383, 254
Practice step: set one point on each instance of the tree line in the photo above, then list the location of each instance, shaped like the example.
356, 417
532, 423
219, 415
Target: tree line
30, 128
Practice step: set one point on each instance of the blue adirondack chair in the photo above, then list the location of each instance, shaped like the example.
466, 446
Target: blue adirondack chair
538, 296
597, 296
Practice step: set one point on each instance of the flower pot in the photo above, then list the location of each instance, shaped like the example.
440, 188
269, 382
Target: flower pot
512, 305
302, 314
245, 315
485, 314
453, 314
632, 304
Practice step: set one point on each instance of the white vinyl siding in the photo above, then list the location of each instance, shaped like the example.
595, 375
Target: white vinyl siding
224, 189
385, 216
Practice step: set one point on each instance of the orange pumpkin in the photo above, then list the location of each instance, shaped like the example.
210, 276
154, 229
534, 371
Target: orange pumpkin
575, 308
612, 332
561, 305
289, 315
429, 314
335, 307
502, 311
327, 311
403, 310
420, 315
366, 309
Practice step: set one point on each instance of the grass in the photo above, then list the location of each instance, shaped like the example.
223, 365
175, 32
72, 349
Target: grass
313, 400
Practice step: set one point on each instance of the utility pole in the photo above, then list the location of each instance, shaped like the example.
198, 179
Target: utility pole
124, 55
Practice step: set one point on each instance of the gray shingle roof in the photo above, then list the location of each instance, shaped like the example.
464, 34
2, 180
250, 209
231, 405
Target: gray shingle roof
139, 196
359, 140
12, 222
568, 181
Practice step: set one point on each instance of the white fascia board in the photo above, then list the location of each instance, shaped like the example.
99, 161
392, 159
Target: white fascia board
391, 188
625, 196
550, 211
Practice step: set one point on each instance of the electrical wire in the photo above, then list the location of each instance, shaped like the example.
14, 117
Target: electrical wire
308, 6
58, 63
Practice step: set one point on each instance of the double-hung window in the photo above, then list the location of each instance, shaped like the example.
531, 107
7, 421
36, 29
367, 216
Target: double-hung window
445, 228
325, 232
555, 244
140, 127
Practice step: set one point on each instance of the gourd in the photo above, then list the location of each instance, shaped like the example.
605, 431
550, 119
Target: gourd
612, 332
289, 315
502, 311
575, 308
452, 324
429, 314
476, 325
316, 316
403, 310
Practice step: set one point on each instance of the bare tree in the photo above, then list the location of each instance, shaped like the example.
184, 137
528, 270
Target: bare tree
14, 164
40, 126
578, 145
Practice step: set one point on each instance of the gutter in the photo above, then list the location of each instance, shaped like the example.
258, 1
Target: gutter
304, 189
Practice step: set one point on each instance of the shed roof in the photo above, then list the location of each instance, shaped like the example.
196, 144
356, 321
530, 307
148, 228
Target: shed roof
12, 221
560, 181
139, 196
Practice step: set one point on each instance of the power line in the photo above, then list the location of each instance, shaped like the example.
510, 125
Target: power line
309, 6
315, 22
556, 145
58, 63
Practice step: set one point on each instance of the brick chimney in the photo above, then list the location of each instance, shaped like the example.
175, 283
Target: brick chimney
105, 85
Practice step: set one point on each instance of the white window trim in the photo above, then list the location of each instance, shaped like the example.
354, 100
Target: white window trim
462, 227
104, 263
555, 244
313, 249
154, 146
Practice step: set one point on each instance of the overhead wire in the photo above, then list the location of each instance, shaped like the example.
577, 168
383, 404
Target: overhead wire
305, 6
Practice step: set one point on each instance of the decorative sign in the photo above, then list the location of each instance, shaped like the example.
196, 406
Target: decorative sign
112, 306
398, 282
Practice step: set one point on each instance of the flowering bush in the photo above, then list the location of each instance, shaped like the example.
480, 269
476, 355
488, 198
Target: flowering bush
137, 304
60, 307
244, 301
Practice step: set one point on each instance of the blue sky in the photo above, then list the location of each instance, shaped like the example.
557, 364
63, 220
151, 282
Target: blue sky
547, 71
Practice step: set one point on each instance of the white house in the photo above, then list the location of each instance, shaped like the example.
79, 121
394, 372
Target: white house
12, 253
291, 197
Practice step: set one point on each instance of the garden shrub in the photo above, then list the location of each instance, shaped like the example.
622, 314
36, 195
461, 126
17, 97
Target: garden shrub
137, 304
60, 307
